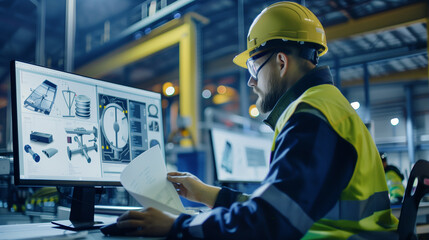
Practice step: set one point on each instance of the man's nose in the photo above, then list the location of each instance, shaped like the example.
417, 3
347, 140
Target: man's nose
251, 82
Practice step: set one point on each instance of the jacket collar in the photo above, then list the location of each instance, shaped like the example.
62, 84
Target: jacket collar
317, 76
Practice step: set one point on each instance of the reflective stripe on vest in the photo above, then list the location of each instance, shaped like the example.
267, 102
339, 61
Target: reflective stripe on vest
196, 225
355, 210
285, 206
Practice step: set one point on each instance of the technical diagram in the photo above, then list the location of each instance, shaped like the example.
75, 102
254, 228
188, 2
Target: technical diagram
153, 111
41, 137
138, 127
115, 128
255, 157
153, 142
35, 156
227, 157
83, 149
83, 106
50, 152
154, 126
42, 98
69, 99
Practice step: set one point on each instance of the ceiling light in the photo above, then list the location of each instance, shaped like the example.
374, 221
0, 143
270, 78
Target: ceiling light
253, 111
221, 89
206, 94
169, 91
355, 105
394, 121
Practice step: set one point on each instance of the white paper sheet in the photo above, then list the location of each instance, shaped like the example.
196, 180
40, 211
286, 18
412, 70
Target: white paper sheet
145, 178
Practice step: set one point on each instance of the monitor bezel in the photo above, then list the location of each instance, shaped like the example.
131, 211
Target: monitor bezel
15, 136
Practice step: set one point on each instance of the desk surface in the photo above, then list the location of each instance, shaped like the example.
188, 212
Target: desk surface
49, 231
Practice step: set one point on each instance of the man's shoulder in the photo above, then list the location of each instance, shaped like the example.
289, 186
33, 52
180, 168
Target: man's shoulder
307, 108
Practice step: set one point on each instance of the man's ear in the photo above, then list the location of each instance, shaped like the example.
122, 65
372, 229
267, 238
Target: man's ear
282, 62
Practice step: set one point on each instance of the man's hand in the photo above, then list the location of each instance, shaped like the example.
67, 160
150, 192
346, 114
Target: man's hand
192, 188
148, 222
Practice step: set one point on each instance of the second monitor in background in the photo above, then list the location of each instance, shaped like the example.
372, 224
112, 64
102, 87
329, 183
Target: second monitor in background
240, 156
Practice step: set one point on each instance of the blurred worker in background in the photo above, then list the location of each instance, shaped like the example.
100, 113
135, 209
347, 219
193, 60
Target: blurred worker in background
394, 180
325, 178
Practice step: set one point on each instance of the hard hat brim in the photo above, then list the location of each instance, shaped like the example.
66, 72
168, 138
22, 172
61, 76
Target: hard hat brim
241, 58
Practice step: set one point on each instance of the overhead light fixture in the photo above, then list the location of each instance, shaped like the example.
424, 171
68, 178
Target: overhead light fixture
177, 15
394, 121
138, 35
168, 89
355, 105
221, 89
206, 94
253, 111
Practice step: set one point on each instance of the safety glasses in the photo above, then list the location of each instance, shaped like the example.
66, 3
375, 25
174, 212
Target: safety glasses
251, 64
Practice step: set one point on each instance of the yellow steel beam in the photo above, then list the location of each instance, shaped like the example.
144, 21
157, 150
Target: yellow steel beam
131, 53
188, 103
416, 74
402, 16
181, 32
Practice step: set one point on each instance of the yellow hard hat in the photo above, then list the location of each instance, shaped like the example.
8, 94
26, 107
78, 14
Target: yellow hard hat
284, 20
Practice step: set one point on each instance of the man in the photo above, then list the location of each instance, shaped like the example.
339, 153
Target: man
325, 178
394, 179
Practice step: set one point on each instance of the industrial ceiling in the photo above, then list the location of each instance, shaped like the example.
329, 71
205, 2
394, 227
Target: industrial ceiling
387, 36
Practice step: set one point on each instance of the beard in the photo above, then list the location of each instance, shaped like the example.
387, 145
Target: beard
267, 101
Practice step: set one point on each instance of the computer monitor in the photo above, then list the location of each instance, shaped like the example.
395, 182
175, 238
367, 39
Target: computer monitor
72, 130
240, 156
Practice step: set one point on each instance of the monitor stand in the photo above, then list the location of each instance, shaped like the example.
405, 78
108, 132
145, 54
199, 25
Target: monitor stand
82, 211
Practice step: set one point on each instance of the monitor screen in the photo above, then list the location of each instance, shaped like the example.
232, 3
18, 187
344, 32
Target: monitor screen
75, 130
239, 156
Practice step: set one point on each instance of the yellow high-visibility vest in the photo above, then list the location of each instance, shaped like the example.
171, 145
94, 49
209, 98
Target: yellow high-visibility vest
363, 210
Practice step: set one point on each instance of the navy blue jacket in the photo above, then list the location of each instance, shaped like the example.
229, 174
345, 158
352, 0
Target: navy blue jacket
310, 165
